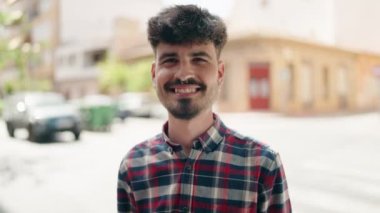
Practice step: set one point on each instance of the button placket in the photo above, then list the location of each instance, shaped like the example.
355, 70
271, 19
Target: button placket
186, 181
185, 209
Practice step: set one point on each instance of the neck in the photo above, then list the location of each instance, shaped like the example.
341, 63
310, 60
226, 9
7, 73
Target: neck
184, 132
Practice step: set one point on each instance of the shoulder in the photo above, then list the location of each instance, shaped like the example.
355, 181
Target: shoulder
235, 139
257, 151
144, 149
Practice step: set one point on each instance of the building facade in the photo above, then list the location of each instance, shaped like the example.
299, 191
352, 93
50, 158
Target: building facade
297, 77
76, 70
87, 36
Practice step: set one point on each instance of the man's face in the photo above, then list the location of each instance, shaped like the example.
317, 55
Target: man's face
187, 77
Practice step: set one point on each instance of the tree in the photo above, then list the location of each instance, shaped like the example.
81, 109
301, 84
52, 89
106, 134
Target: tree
7, 52
117, 77
15, 52
139, 76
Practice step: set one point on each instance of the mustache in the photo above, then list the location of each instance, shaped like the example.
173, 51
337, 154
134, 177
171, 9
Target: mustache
190, 81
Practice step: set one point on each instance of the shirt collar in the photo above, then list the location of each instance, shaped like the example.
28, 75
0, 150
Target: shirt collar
208, 141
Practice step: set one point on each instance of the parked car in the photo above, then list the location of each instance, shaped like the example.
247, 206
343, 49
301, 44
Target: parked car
41, 114
158, 111
136, 104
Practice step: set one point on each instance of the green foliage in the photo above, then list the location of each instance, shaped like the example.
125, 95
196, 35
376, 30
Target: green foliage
3, 54
18, 56
14, 56
7, 55
139, 77
1, 106
15, 85
10, 18
117, 77
10, 87
112, 75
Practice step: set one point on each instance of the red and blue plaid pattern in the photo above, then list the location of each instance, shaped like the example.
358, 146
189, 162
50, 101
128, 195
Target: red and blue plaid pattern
225, 172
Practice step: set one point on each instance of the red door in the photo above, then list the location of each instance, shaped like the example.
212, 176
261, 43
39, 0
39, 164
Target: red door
259, 86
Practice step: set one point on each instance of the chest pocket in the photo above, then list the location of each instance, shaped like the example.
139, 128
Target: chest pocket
225, 186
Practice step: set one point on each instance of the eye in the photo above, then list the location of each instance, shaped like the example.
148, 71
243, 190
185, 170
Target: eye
199, 60
169, 61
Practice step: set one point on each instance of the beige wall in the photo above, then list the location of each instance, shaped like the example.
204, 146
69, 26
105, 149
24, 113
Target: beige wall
368, 86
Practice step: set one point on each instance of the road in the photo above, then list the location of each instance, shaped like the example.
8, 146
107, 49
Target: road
332, 163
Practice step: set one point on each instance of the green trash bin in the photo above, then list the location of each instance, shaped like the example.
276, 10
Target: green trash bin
98, 113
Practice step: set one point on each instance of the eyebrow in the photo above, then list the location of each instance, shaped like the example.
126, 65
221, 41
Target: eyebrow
194, 54
167, 55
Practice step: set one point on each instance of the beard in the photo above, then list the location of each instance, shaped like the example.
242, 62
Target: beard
183, 110
188, 108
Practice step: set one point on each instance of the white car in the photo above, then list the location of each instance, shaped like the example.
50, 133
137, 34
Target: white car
138, 104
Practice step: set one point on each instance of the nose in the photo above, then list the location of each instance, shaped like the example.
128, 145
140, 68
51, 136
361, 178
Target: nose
184, 72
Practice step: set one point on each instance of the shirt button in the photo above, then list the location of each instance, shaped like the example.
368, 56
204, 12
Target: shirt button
185, 209
188, 168
197, 145
170, 150
207, 149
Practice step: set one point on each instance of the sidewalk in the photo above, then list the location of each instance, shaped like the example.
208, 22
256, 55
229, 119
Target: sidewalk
332, 163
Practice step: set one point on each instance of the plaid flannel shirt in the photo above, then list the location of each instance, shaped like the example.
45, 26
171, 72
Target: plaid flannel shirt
225, 172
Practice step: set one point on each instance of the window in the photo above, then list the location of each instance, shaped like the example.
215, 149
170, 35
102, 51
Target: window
94, 57
45, 5
71, 60
342, 86
325, 83
291, 82
307, 84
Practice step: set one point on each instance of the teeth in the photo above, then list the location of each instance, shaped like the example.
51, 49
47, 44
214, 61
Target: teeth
185, 90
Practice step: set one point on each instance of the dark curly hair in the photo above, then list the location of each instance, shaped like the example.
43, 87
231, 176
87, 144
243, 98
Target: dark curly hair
182, 24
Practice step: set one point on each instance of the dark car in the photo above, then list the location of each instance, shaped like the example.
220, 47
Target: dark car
41, 114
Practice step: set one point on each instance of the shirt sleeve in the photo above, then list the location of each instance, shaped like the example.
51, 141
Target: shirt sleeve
125, 198
273, 190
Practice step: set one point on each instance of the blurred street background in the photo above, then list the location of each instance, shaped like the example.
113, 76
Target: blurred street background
76, 95
332, 163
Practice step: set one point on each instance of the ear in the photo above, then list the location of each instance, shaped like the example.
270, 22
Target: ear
220, 72
153, 73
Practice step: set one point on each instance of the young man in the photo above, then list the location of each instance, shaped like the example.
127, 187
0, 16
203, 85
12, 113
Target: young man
196, 164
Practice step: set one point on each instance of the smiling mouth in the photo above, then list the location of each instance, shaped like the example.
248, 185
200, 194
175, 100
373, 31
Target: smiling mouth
185, 90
